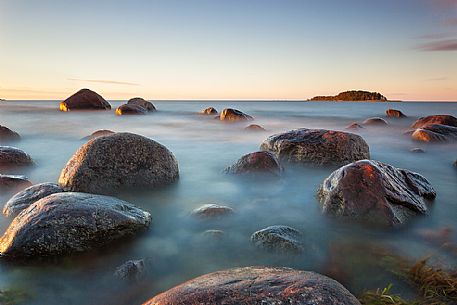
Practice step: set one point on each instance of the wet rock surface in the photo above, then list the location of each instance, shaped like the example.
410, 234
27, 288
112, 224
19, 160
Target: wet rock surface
7, 135
261, 162
279, 239
375, 192
440, 119
130, 109
142, 103
98, 133
435, 133
257, 285
208, 111
317, 146
13, 183
393, 113
25, 198
11, 156
68, 223
132, 270
212, 210
234, 115
254, 127
354, 126
85, 99
417, 150
375, 122
119, 161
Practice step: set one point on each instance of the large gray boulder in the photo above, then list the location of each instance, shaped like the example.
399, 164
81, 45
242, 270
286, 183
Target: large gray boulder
257, 285
105, 165
67, 223
317, 146
11, 156
25, 198
375, 192
142, 103
85, 99
279, 239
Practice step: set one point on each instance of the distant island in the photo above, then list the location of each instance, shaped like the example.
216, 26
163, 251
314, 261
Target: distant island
2, 100
353, 96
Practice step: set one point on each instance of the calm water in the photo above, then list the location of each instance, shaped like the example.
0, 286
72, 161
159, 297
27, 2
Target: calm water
174, 247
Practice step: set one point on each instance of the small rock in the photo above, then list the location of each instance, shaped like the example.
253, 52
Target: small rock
142, 103
354, 126
214, 234
261, 162
442, 119
130, 109
280, 239
375, 121
233, 115
13, 183
257, 285
132, 270
254, 127
417, 150
25, 198
98, 133
7, 134
11, 156
209, 111
212, 210
85, 99
393, 113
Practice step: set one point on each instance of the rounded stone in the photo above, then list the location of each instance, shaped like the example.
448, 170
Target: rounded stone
212, 210
130, 109
13, 183
441, 119
142, 103
261, 162
394, 113
234, 115
280, 239
85, 99
254, 127
209, 111
11, 156
98, 133
7, 134
375, 121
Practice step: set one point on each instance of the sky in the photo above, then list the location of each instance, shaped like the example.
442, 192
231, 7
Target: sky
228, 49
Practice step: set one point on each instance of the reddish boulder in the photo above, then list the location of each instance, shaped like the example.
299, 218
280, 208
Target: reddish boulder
233, 115
441, 119
317, 146
375, 192
393, 113
435, 133
208, 111
257, 285
85, 99
256, 163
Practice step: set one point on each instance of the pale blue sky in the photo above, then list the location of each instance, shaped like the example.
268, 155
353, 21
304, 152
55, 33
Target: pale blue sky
228, 49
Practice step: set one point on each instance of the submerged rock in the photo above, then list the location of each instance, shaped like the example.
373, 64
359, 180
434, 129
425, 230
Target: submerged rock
7, 134
25, 198
280, 239
121, 160
67, 223
132, 270
317, 146
11, 156
257, 285
209, 111
233, 115
13, 183
212, 210
375, 121
98, 133
417, 150
85, 99
375, 192
142, 103
441, 119
435, 133
214, 234
354, 126
254, 127
130, 109
393, 113
260, 162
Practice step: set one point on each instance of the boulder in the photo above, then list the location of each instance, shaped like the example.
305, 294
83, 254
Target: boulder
130, 109
375, 121
354, 126
132, 270
260, 162
209, 111
67, 223
11, 156
317, 146
7, 134
393, 113
142, 103
85, 99
257, 285
122, 160
435, 133
98, 133
279, 239
442, 119
233, 115
25, 198
375, 192
254, 127
212, 210
13, 183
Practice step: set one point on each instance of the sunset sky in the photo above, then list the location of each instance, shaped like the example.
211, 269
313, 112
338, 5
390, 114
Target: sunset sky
228, 49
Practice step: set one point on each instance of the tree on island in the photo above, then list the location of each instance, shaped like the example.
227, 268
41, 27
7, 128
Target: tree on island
354, 95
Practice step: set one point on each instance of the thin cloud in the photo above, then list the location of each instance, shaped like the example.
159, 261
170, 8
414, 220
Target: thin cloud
434, 36
102, 81
440, 45
437, 79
